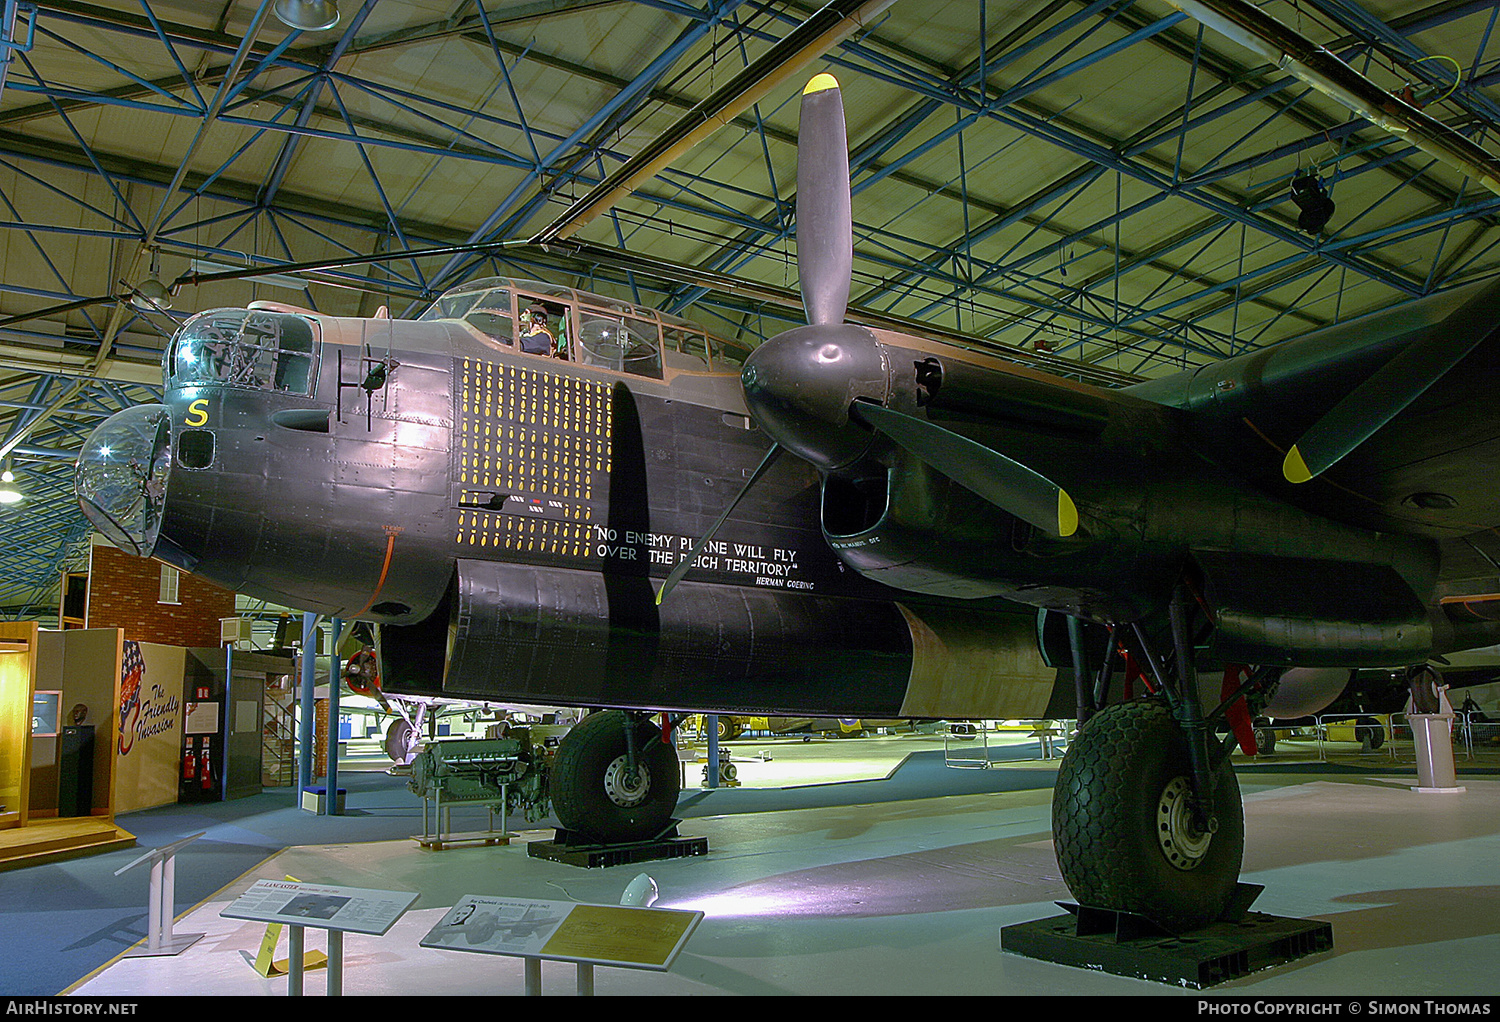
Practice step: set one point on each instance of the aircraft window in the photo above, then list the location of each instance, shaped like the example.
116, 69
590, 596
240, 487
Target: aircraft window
489, 313
629, 345
195, 448
251, 348
688, 341
451, 306
724, 354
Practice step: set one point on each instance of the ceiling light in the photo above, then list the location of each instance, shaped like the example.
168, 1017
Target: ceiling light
308, 15
9, 492
151, 296
1312, 199
285, 280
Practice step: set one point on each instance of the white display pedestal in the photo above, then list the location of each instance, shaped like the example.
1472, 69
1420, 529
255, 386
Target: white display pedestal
1432, 735
161, 901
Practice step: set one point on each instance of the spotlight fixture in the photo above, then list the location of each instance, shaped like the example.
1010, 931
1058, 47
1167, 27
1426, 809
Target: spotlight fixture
151, 295
640, 892
1312, 198
9, 492
308, 15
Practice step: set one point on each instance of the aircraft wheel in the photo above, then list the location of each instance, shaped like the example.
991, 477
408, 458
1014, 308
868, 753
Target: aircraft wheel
401, 741
593, 792
1124, 834
1370, 734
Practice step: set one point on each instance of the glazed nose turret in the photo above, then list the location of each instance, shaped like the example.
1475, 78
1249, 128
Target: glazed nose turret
121, 477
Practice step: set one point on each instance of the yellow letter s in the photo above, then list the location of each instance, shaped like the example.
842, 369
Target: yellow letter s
197, 413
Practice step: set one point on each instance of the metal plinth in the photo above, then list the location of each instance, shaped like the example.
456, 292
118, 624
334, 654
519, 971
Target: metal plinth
571, 850
463, 839
1125, 945
175, 944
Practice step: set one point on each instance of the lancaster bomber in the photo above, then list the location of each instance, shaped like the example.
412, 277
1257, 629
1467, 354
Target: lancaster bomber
642, 518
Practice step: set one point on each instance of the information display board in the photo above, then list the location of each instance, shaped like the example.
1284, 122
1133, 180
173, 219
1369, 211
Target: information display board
339, 910
321, 907
565, 931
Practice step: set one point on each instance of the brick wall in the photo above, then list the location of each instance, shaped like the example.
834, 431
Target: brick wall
124, 592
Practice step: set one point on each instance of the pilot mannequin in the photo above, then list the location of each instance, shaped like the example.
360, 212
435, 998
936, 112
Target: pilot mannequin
536, 335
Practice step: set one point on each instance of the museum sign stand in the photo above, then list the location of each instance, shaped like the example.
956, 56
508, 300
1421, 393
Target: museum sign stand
338, 910
626, 937
160, 906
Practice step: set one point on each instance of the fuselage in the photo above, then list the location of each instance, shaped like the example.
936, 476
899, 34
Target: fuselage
433, 476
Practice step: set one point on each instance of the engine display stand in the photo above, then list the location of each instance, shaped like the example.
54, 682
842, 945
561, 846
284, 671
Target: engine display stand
572, 850
1127, 945
442, 835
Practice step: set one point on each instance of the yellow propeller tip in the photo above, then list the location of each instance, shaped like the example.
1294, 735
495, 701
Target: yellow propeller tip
1294, 468
821, 82
1067, 514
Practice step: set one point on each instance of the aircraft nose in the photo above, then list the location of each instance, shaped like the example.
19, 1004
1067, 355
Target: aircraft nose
799, 385
121, 477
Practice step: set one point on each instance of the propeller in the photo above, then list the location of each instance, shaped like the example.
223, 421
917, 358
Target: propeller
1002, 481
805, 385
1392, 388
825, 223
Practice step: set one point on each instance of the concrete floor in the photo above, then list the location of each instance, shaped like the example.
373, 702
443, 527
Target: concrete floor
904, 898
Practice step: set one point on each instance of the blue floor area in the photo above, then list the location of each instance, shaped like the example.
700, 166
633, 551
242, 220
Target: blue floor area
61, 921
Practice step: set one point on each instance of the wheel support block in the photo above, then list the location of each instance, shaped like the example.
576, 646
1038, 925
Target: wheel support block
572, 850
1123, 944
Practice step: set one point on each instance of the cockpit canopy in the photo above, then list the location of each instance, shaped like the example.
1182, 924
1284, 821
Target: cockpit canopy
253, 348
590, 329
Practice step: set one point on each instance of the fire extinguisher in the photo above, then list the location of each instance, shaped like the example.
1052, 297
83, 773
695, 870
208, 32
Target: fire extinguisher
203, 767
189, 764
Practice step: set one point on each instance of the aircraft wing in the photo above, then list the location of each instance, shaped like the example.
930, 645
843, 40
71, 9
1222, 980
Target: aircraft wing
1420, 381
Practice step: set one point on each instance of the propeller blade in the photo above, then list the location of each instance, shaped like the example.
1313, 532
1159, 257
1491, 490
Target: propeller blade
681, 567
1392, 388
1009, 485
825, 233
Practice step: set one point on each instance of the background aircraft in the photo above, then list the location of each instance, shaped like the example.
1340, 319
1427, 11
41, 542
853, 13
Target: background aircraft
522, 527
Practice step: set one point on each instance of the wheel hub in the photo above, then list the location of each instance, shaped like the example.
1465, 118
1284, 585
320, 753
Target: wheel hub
624, 788
1183, 842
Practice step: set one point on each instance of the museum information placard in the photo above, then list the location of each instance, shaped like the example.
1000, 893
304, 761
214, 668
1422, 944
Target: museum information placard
321, 907
565, 931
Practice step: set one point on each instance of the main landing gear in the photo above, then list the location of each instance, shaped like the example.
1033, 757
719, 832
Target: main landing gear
1149, 828
1146, 814
1130, 833
615, 779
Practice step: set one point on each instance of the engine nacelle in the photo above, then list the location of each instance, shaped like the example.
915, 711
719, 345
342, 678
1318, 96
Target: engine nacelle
1303, 691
